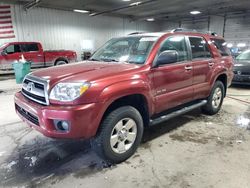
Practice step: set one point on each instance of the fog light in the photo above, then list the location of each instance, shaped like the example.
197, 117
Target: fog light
61, 125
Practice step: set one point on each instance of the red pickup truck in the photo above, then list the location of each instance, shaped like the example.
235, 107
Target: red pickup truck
130, 83
33, 51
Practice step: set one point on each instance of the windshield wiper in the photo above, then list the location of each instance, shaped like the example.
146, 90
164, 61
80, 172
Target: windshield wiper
92, 59
109, 60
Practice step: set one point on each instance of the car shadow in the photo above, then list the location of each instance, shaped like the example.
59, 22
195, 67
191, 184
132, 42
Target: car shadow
155, 131
239, 86
41, 159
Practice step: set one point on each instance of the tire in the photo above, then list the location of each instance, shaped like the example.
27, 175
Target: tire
60, 62
125, 125
215, 99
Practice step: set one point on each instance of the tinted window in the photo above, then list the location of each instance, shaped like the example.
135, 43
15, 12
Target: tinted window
199, 48
12, 49
176, 43
29, 47
221, 45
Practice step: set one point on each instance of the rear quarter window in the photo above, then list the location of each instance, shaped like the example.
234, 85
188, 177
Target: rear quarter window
30, 47
221, 45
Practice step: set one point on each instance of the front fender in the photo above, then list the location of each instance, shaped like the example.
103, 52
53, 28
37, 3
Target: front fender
126, 88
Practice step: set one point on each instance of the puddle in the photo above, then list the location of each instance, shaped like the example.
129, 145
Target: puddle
243, 121
42, 159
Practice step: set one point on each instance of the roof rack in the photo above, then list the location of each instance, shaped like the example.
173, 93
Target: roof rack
194, 31
184, 30
136, 33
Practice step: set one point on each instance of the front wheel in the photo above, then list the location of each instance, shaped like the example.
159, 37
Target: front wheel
120, 134
215, 99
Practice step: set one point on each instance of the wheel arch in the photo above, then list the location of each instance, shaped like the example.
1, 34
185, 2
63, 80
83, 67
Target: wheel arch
223, 78
136, 100
61, 59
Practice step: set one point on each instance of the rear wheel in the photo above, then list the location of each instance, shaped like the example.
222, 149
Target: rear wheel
60, 62
215, 99
120, 134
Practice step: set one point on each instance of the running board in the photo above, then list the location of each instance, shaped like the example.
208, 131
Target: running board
177, 113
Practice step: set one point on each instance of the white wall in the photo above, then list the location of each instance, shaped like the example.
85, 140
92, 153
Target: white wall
216, 24
166, 26
237, 29
198, 25
57, 29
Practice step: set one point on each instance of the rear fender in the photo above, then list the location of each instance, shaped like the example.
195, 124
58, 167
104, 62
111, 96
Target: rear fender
61, 59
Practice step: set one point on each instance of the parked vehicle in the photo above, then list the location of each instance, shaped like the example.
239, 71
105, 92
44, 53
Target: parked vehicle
130, 83
242, 69
33, 51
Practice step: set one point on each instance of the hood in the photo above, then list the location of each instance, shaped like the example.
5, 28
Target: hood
84, 71
242, 65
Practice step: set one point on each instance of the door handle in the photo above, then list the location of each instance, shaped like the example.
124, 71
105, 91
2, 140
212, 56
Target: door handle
210, 64
188, 68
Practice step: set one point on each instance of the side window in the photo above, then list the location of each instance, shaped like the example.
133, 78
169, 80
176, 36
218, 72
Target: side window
11, 49
30, 47
178, 44
199, 48
221, 45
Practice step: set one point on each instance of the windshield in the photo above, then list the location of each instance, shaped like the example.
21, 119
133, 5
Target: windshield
127, 49
244, 56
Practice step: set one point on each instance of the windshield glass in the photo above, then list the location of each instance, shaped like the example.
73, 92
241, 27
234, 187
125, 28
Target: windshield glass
127, 49
244, 56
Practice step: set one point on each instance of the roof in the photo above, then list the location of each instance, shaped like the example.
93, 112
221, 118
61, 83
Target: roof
178, 30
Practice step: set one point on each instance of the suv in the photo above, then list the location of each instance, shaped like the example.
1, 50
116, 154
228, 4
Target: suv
129, 84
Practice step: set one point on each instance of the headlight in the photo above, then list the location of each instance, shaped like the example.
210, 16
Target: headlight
68, 91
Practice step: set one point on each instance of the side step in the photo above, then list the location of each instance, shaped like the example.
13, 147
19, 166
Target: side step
177, 113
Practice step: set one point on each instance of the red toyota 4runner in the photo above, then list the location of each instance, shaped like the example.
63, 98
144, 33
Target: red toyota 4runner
130, 83
33, 51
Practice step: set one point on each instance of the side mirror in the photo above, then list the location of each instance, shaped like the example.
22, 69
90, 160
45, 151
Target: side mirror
3, 53
167, 57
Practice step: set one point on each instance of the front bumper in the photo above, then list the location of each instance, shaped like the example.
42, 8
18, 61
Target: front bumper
241, 79
84, 119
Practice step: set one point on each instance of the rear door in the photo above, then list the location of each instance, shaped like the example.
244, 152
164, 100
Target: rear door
31, 52
203, 65
12, 53
173, 82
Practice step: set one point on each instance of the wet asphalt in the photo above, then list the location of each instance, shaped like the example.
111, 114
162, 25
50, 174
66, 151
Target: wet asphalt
28, 159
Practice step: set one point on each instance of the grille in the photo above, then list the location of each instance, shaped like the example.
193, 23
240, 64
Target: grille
35, 97
30, 117
35, 89
37, 85
241, 73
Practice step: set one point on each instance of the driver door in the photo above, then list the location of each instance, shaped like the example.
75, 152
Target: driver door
173, 83
12, 53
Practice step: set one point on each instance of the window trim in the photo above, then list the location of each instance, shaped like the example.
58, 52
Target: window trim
190, 49
5, 49
179, 62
